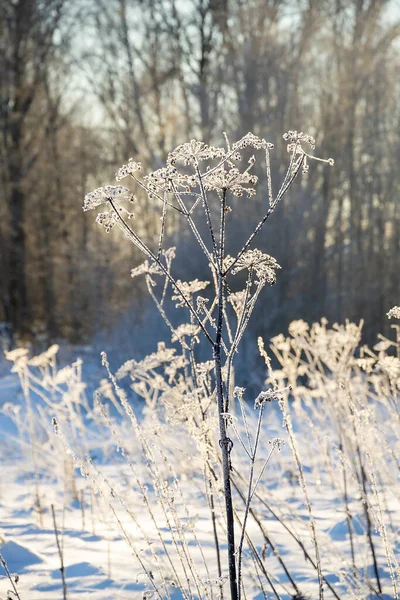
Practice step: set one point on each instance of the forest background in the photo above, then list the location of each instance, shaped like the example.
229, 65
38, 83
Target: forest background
87, 84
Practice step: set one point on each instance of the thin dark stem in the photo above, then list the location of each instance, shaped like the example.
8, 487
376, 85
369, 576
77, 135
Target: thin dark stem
162, 230
61, 554
235, 341
247, 504
207, 212
348, 515
5, 566
215, 533
222, 229
266, 537
307, 555
363, 478
225, 442
369, 524
207, 478
257, 558
299, 464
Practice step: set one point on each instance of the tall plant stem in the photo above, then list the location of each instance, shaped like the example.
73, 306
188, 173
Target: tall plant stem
224, 442
12, 581
60, 553
348, 514
210, 494
368, 519
363, 484
226, 447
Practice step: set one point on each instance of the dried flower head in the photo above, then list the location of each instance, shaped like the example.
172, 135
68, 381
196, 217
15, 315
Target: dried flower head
394, 313
383, 345
264, 265
41, 360
152, 361
295, 140
203, 368
187, 288
277, 443
238, 392
105, 194
253, 141
201, 304
296, 137
366, 364
299, 327
281, 343
17, 354
389, 365
185, 330
146, 268
232, 180
270, 395
128, 169
107, 219
193, 151
168, 178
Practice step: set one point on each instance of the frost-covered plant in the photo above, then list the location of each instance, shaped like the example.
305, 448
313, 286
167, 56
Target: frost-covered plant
200, 182
46, 390
192, 457
352, 393
342, 420
394, 312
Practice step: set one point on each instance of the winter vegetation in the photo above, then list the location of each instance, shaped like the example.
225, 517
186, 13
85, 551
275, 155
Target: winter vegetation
137, 480
224, 423
216, 491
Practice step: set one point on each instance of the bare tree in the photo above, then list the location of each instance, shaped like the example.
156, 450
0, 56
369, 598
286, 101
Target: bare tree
28, 30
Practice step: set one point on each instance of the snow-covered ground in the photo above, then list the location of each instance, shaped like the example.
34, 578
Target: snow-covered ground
104, 536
